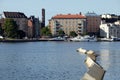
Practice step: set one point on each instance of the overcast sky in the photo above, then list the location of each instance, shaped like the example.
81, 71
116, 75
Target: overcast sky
53, 7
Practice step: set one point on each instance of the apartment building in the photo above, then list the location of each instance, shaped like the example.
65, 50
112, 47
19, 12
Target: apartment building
68, 23
93, 23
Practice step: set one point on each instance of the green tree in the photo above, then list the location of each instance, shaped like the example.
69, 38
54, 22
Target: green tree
10, 28
73, 34
61, 32
45, 31
1, 30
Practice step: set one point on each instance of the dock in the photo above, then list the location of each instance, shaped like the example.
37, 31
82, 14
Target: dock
95, 71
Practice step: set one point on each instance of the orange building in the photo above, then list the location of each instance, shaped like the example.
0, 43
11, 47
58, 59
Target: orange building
30, 28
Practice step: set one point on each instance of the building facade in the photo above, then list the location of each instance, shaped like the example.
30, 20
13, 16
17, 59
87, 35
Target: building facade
31, 26
110, 30
68, 23
34, 27
93, 23
20, 18
30, 29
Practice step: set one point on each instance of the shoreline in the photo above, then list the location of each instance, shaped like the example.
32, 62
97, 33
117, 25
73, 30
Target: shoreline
44, 39
27, 40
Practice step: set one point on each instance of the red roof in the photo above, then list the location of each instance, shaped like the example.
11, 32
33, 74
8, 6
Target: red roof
68, 16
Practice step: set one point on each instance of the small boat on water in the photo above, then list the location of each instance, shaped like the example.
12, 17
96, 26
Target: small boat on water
110, 39
57, 39
1, 37
115, 39
84, 38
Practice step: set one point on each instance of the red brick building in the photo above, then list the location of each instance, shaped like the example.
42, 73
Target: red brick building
93, 23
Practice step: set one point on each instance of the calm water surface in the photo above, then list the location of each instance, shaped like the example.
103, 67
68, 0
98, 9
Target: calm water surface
55, 60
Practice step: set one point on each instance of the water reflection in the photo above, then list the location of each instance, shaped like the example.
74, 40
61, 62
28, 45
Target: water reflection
105, 59
109, 59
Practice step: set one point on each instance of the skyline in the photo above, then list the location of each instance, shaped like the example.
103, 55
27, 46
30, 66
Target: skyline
54, 7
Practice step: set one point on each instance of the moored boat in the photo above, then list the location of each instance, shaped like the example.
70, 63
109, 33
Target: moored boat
84, 38
57, 39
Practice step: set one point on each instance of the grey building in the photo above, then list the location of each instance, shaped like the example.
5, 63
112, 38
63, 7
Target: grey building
20, 18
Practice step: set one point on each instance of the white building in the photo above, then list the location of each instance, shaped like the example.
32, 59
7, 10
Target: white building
117, 22
109, 16
109, 30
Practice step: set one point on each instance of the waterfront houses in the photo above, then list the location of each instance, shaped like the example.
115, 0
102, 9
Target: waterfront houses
110, 30
110, 26
31, 26
105, 25
68, 23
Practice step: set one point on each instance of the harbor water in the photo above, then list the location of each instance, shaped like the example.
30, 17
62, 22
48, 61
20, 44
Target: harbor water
55, 60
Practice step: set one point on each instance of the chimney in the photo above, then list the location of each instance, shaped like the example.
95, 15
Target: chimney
43, 18
80, 13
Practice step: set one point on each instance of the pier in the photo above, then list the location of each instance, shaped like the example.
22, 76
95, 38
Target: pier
95, 71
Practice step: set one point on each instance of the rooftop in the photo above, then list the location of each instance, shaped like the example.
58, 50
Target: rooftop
14, 15
91, 14
69, 16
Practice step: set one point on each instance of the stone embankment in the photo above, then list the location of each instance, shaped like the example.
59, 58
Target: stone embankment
95, 71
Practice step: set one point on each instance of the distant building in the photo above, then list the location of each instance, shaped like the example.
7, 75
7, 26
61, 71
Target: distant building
68, 23
20, 18
43, 18
30, 28
117, 22
119, 17
93, 23
33, 27
109, 30
109, 18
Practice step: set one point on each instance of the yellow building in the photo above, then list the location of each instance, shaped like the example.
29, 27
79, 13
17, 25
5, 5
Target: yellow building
68, 23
